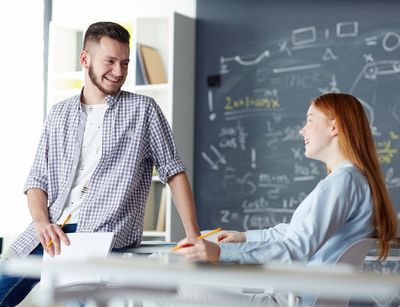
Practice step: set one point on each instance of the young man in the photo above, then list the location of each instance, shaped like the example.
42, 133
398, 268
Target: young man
95, 160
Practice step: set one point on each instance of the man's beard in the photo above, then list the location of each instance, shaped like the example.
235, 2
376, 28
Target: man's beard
93, 77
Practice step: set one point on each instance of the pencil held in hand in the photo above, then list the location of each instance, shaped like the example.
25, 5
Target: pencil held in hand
63, 224
199, 237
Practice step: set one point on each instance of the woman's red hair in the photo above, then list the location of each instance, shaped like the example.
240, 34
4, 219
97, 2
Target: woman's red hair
357, 144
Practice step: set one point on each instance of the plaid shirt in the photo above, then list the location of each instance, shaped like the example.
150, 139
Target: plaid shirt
136, 136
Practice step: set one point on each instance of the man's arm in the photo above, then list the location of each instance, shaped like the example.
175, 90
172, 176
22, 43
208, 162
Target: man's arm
184, 202
37, 203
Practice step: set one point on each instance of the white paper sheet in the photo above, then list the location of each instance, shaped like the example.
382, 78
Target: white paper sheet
83, 246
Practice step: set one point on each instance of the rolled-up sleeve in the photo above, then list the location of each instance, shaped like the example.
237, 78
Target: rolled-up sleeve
162, 146
170, 169
38, 178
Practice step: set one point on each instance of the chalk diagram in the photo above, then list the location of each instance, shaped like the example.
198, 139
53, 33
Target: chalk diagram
253, 150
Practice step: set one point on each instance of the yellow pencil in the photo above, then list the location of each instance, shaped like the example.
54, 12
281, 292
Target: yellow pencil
199, 237
63, 224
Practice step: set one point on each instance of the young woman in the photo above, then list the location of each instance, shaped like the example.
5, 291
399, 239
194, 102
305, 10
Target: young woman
349, 204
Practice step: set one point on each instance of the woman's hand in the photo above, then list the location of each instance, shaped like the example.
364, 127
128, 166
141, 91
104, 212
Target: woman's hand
231, 237
199, 250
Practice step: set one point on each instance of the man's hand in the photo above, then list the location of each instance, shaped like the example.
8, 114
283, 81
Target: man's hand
231, 237
47, 232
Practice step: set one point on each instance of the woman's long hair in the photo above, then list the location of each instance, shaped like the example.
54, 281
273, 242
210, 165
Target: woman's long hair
357, 144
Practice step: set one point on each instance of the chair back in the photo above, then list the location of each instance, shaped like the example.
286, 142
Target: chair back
353, 255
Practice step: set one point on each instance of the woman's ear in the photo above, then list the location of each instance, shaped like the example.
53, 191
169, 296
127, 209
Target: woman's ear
334, 130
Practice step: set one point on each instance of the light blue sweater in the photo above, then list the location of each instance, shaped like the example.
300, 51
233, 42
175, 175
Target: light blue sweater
338, 212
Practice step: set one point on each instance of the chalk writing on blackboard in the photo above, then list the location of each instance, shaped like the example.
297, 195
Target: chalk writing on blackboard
251, 169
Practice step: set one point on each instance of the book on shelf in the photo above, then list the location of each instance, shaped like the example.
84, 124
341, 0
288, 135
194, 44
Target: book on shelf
141, 76
162, 210
154, 70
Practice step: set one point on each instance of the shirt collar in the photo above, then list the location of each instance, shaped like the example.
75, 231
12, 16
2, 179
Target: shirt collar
344, 164
111, 100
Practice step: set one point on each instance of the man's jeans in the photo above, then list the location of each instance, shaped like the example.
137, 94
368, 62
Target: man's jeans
13, 289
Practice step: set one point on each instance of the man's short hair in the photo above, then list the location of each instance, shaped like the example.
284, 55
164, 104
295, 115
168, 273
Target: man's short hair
98, 30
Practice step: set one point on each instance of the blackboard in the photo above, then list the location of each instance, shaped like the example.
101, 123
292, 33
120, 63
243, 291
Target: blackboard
259, 63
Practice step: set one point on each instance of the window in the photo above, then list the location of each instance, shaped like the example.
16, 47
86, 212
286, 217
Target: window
22, 101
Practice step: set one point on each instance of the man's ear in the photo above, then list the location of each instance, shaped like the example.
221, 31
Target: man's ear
334, 130
84, 58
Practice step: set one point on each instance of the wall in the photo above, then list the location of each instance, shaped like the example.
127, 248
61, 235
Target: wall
272, 59
21, 22
22, 119
120, 10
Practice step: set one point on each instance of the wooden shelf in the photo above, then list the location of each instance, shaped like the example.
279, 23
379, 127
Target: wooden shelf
154, 234
152, 87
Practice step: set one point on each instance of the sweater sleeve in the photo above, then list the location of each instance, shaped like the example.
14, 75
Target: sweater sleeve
270, 234
317, 218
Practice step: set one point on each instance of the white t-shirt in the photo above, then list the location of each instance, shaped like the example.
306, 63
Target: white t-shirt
88, 161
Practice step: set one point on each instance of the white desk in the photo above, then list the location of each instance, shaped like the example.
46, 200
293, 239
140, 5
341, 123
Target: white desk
165, 274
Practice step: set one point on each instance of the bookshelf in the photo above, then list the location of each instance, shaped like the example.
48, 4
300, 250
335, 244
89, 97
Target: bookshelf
173, 37
65, 75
